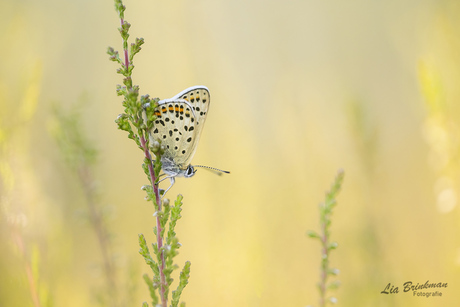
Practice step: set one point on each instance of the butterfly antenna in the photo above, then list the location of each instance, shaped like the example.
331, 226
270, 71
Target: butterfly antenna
213, 169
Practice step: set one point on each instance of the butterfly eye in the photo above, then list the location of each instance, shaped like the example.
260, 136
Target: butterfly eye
189, 172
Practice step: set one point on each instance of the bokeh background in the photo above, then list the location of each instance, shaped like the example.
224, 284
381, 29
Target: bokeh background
300, 89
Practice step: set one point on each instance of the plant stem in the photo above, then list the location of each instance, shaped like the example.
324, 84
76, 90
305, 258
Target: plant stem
142, 138
125, 50
324, 265
164, 300
86, 181
30, 278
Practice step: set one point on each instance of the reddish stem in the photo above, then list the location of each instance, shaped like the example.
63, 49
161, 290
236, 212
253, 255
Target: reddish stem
30, 277
86, 181
324, 265
125, 50
164, 300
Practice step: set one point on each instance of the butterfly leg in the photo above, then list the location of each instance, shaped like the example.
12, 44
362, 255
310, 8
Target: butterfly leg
172, 179
162, 179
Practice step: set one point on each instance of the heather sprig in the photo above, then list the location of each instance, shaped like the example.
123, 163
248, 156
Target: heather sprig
326, 209
137, 120
80, 156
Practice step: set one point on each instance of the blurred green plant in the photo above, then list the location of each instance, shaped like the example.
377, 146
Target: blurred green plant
325, 212
80, 156
20, 256
138, 120
66, 128
442, 133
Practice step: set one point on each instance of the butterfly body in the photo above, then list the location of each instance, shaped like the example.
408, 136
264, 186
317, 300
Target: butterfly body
178, 126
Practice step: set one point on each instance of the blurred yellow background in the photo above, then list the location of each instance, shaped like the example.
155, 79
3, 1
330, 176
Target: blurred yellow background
299, 89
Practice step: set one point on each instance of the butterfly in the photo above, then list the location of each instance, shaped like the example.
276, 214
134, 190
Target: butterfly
178, 126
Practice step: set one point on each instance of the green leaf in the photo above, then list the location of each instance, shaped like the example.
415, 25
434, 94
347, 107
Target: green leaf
183, 281
334, 272
149, 190
152, 289
120, 8
313, 234
165, 217
144, 251
333, 285
175, 216
123, 123
114, 56
135, 48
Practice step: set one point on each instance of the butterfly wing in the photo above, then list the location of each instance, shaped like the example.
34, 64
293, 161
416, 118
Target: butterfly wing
200, 99
179, 123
